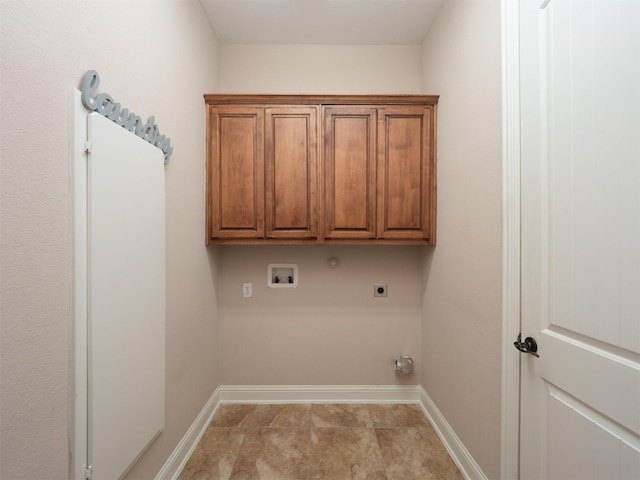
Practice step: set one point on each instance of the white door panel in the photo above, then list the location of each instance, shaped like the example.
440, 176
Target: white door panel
580, 163
585, 444
590, 50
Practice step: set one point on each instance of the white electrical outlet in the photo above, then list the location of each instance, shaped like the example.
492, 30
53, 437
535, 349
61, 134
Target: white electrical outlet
247, 290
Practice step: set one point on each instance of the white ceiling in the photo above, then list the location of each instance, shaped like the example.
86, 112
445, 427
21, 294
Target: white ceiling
334, 22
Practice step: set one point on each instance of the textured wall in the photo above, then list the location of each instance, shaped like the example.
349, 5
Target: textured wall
157, 58
330, 330
462, 276
356, 69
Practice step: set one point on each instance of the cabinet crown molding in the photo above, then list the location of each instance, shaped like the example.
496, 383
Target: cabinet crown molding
288, 99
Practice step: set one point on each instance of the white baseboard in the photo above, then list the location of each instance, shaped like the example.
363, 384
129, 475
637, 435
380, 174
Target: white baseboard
460, 455
178, 458
321, 394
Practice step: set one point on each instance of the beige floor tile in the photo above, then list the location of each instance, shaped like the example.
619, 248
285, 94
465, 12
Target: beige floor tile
320, 442
415, 453
232, 415
291, 415
215, 455
397, 415
274, 454
340, 415
345, 454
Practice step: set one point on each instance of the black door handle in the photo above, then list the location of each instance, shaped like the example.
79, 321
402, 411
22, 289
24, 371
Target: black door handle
528, 346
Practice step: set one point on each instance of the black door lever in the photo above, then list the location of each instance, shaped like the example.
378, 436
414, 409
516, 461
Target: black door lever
528, 346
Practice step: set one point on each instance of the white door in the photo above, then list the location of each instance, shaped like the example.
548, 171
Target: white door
580, 130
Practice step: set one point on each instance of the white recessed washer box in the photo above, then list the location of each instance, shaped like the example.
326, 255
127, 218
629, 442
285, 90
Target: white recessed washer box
282, 275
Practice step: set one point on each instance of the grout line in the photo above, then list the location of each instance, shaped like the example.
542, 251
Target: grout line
384, 464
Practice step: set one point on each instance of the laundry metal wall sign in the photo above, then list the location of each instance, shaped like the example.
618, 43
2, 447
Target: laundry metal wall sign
106, 106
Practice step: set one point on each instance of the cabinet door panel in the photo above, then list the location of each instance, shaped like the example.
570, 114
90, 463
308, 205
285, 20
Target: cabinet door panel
236, 206
291, 172
404, 173
350, 172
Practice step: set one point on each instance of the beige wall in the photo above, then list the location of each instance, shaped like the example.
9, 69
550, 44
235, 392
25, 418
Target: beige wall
462, 277
157, 58
355, 69
329, 330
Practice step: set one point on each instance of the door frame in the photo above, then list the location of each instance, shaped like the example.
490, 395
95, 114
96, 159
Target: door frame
511, 218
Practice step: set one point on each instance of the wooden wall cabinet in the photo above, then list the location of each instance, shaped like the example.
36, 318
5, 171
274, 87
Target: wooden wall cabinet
291, 179
406, 174
349, 157
321, 169
235, 187
262, 173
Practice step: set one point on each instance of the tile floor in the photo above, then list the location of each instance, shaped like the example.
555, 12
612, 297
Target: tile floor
320, 442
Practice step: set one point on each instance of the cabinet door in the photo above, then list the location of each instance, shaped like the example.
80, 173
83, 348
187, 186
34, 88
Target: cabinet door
406, 174
236, 172
291, 178
349, 172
